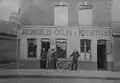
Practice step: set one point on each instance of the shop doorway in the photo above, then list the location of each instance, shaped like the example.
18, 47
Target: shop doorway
101, 55
45, 45
61, 48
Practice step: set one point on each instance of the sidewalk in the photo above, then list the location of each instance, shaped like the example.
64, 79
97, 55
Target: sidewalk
61, 74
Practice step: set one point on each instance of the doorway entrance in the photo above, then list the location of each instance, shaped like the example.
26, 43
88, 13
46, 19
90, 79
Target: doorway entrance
45, 45
101, 55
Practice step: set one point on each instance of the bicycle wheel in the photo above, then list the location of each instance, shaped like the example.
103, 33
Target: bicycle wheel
60, 65
68, 65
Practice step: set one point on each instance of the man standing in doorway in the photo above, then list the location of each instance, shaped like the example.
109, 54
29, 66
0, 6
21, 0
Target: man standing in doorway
75, 55
49, 59
54, 59
43, 58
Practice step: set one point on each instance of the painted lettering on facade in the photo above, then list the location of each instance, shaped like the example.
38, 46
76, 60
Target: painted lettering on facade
92, 32
63, 32
36, 32
67, 32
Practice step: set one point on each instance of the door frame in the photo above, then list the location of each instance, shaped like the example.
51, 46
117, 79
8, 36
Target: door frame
41, 44
104, 63
42, 38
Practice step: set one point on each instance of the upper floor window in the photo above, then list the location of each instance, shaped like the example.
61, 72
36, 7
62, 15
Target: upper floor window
85, 49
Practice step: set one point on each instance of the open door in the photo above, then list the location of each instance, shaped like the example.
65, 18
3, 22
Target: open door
45, 45
101, 55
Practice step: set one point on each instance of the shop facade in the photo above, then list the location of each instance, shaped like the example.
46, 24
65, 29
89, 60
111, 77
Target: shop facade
93, 43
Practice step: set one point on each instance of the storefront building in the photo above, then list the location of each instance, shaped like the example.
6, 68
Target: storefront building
94, 45
92, 41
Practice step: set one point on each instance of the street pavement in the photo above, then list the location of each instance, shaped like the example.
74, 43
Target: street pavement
57, 76
61, 73
9, 74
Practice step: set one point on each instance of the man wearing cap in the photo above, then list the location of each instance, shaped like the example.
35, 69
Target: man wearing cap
43, 58
49, 59
75, 55
54, 59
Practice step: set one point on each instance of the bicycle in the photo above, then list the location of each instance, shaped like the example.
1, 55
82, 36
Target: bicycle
63, 64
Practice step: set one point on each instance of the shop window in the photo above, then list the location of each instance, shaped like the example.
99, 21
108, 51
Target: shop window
32, 47
61, 48
85, 49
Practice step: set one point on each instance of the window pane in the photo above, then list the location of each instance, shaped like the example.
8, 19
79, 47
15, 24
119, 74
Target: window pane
87, 56
88, 43
82, 56
88, 53
82, 49
32, 47
82, 42
88, 49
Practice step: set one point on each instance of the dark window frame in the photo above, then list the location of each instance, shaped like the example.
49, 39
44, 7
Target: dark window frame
85, 47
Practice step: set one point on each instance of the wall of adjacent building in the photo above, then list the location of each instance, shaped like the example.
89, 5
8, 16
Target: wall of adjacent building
116, 30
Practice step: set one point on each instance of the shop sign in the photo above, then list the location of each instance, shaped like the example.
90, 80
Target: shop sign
63, 31
95, 32
66, 31
39, 31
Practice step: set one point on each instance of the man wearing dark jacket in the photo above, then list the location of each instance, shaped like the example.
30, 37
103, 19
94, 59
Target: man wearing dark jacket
43, 58
75, 55
54, 59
